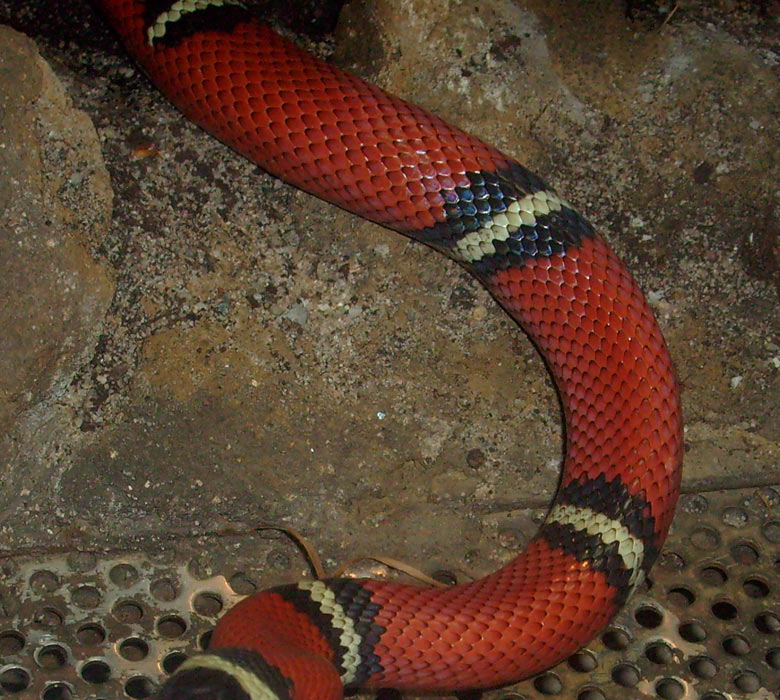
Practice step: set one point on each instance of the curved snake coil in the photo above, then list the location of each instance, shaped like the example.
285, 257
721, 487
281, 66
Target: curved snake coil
392, 162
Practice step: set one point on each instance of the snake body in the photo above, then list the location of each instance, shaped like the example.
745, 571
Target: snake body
392, 162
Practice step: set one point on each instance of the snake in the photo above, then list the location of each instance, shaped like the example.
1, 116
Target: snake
350, 143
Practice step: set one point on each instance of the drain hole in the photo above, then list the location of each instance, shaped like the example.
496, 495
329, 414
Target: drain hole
616, 639
669, 689
724, 610
626, 675
139, 687
703, 667
14, 680
134, 649
771, 530
692, 632
648, 617
173, 660
755, 588
773, 658
583, 661
164, 589
548, 684
86, 597
123, 575
11, 642
744, 553
736, 645
713, 695
659, 653
57, 691
705, 538
207, 604
51, 656
671, 561
44, 581
591, 694
747, 682
91, 634
96, 672
681, 597
171, 626
444, 576
713, 576
768, 623
735, 516
128, 611
242, 584
48, 617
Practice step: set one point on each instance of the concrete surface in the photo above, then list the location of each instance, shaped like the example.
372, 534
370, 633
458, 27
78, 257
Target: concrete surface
220, 350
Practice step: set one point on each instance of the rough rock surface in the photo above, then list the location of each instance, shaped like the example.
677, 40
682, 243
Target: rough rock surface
266, 357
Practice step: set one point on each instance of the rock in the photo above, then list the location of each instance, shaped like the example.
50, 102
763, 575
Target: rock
54, 192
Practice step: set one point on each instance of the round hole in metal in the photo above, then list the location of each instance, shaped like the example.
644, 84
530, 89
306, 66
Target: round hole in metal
123, 575
767, 623
173, 660
49, 617
164, 589
44, 581
207, 604
57, 691
705, 538
128, 611
14, 680
713, 575
626, 675
91, 634
583, 661
448, 578
703, 667
591, 694
616, 639
140, 687
648, 617
205, 640
659, 653
681, 596
51, 656
133, 649
736, 645
86, 597
670, 689
755, 588
95, 671
724, 610
11, 642
548, 684
171, 626
747, 682
692, 631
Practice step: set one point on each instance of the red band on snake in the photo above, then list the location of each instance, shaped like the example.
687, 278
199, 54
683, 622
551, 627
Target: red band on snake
352, 144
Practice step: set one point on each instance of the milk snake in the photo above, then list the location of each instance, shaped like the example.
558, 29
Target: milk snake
352, 144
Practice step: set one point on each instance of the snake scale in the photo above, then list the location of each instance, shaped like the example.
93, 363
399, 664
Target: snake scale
392, 162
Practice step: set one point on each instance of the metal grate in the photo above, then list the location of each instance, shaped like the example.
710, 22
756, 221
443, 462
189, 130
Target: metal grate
706, 627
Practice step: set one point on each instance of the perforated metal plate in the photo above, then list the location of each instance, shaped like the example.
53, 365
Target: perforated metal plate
706, 627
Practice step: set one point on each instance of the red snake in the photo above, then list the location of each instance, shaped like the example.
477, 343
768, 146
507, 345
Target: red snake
352, 144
